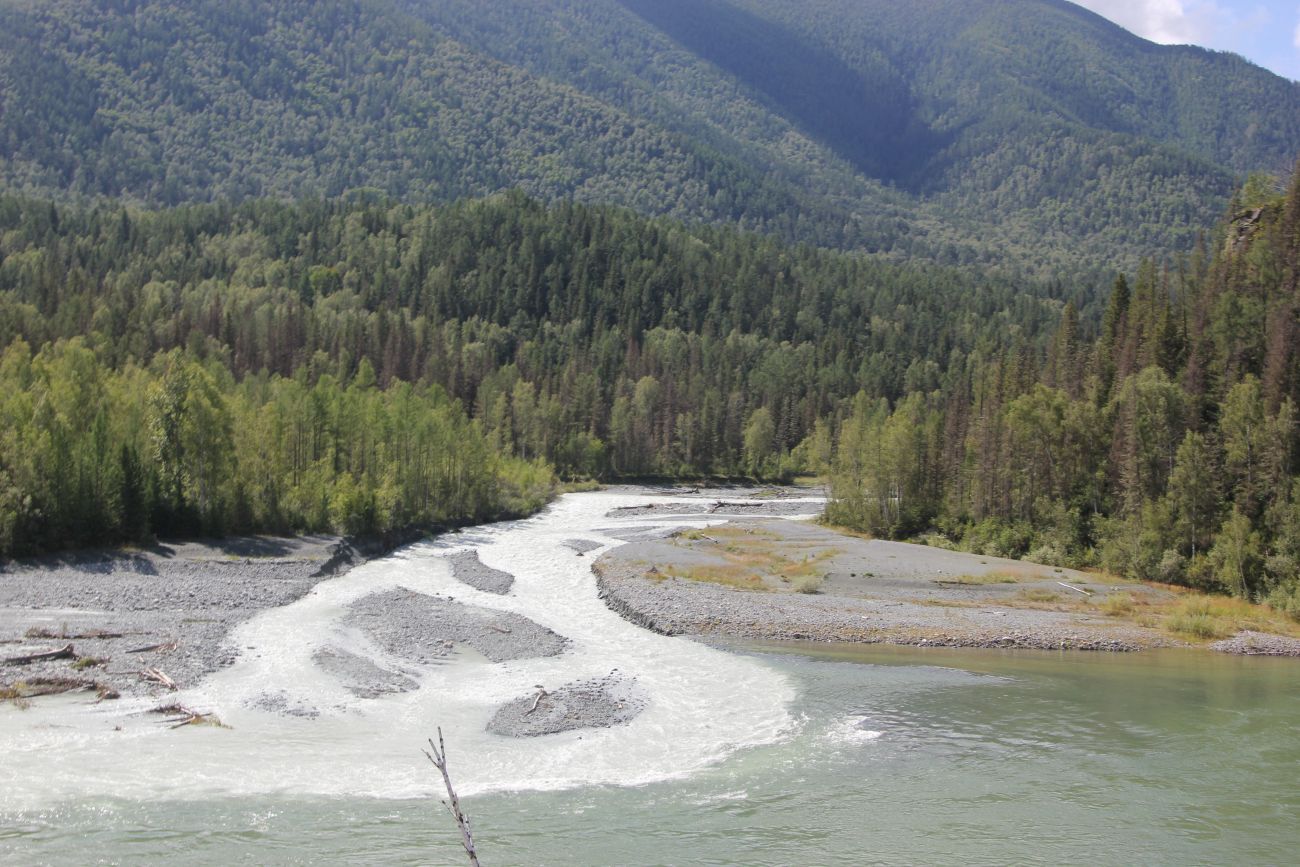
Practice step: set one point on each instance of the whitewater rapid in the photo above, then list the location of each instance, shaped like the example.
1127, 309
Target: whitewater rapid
703, 704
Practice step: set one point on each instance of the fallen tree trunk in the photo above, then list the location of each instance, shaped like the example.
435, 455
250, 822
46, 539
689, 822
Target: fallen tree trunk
65, 652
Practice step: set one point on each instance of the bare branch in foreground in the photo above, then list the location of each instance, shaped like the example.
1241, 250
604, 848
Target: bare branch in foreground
437, 754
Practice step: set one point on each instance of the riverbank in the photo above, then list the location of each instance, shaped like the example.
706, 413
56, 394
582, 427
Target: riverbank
780, 580
148, 621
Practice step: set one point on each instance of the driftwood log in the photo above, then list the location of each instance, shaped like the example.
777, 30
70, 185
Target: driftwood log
65, 652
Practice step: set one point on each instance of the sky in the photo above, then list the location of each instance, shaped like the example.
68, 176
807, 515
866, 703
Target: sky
1266, 32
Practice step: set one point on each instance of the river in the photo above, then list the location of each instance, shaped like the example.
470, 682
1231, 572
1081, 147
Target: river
759, 755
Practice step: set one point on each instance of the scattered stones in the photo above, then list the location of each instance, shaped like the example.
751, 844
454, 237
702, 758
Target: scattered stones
282, 703
169, 608
1247, 643
595, 703
467, 568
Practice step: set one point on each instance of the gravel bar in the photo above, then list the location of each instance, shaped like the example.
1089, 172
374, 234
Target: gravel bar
467, 568
596, 703
422, 629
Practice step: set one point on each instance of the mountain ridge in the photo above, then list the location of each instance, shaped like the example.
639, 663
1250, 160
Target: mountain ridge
1031, 135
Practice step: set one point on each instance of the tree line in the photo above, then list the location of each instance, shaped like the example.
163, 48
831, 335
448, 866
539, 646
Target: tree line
1162, 449
361, 364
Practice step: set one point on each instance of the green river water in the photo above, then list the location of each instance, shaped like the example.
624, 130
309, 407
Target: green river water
896, 757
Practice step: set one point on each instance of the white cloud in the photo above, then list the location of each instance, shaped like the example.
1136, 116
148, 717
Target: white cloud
1166, 21
1257, 29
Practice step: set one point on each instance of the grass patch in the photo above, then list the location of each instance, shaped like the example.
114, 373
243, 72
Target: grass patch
1212, 617
85, 662
14, 695
848, 531
932, 602
981, 580
728, 576
1039, 594
1110, 579
808, 584
753, 558
1194, 616
1118, 604
580, 486
1193, 625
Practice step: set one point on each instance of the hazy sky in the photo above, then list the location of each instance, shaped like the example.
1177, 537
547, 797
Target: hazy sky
1266, 32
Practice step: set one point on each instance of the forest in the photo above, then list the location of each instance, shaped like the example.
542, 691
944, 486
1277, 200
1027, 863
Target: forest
361, 365
307, 366
1163, 449
594, 339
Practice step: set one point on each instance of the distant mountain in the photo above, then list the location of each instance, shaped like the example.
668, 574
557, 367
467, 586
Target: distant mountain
1025, 132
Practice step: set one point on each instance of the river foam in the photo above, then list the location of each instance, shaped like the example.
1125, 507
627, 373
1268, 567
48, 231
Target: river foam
702, 704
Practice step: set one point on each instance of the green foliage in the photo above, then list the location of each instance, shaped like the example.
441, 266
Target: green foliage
265, 454
601, 342
1168, 458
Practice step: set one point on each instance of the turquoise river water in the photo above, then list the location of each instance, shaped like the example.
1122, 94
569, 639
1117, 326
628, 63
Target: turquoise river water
758, 755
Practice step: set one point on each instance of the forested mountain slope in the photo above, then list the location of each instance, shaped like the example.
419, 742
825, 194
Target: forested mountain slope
1024, 132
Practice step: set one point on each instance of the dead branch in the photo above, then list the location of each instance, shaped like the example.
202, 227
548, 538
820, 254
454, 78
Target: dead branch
178, 715
1075, 589
171, 710
167, 646
437, 754
50, 634
541, 694
65, 652
154, 675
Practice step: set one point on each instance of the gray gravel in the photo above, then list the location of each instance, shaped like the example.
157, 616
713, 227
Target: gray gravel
282, 703
582, 546
467, 568
360, 676
596, 703
658, 509
185, 596
871, 592
647, 533
423, 629
1249, 643
775, 507
679, 607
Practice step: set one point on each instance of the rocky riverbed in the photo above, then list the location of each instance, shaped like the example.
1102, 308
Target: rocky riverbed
166, 610
779, 580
